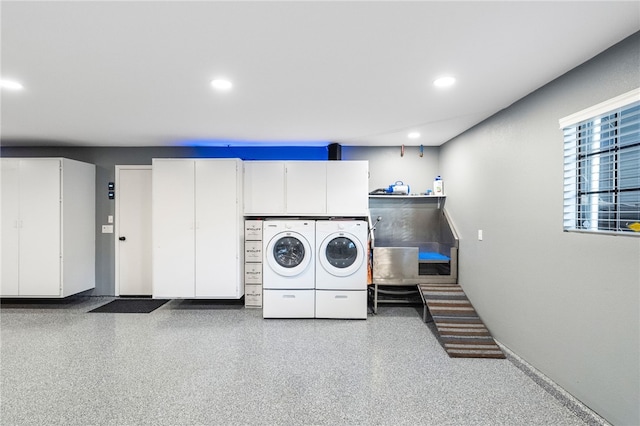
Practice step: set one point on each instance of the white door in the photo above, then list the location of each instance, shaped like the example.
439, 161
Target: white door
133, 236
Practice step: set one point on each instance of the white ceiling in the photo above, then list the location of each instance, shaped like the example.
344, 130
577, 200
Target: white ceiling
358, 73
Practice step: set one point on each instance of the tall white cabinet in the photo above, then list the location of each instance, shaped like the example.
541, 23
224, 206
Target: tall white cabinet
197, 228
47, 227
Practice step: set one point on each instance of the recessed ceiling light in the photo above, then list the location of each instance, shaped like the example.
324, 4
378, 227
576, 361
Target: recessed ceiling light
413, 135
221, 84
10, 84
444, 81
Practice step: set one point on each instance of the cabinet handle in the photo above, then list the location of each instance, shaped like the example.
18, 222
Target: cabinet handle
288, 296
342, 296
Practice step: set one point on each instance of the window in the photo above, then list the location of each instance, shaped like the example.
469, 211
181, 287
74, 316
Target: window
602, 167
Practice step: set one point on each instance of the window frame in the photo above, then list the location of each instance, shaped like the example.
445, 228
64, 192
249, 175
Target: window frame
583, 154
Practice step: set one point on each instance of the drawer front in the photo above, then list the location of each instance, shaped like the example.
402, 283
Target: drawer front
341, 304
253, 230
253, 251
288, 303
253, 273
253, 296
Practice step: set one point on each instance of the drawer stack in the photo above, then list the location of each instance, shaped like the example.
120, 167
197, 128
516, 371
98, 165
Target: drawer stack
253, 263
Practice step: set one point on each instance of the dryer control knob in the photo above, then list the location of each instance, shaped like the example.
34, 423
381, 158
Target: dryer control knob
341, 226
287, 225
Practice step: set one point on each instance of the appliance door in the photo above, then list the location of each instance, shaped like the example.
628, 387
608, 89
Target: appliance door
341, 254
288, 254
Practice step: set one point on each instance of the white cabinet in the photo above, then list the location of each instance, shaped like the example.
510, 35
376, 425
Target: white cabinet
197, 228
219, 229
306, 188
48, 227
347, 188
264, 187
10, 237
172, 228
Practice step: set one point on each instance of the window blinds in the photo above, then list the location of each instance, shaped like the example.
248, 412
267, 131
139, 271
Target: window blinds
602, 169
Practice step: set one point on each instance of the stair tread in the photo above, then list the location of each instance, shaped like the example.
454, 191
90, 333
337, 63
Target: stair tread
461, 330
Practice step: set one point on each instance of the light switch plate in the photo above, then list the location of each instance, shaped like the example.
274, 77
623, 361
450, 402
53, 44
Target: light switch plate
107, 229
110, 219
479, 234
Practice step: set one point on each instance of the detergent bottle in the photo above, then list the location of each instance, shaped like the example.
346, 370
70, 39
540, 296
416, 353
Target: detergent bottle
438, 186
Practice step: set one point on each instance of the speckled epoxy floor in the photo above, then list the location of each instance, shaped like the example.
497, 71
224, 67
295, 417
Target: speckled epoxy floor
191, 363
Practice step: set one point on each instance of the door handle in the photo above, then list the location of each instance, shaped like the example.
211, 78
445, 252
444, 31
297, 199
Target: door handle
122, 238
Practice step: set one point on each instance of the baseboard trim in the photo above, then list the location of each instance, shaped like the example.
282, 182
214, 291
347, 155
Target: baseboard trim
586, 414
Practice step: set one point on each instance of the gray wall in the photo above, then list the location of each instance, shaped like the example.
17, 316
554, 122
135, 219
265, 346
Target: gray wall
386, 166
568, 303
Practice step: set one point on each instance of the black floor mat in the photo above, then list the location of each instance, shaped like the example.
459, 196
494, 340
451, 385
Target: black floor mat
131, 306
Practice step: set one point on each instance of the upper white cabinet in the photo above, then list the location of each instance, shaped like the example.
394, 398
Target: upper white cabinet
48, 227
306, 183
306, 188
264, 187
197, 228
347, 187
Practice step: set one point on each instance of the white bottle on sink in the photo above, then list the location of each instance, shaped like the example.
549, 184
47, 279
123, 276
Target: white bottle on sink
438, 186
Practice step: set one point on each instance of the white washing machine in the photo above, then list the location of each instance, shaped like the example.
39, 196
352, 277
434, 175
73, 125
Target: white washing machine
341, 269
288, 276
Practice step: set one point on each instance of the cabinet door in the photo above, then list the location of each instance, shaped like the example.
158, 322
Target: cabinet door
264, 187
306, 185
218, 230
347, 188
78, 226
40, 227
9, 236
173, 212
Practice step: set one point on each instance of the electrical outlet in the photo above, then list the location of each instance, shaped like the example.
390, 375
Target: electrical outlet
479, 234
107, 229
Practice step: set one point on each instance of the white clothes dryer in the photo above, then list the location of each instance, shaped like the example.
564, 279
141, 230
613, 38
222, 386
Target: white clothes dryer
341, 269
288, 276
